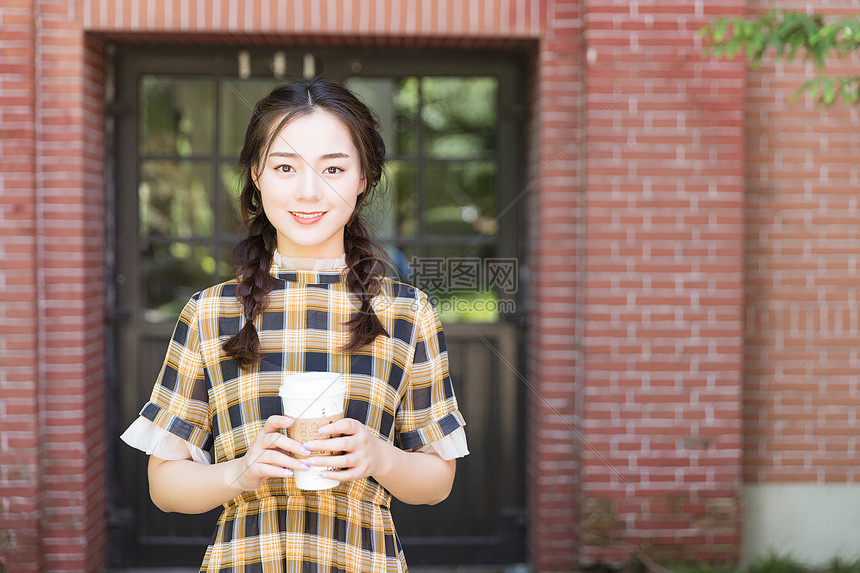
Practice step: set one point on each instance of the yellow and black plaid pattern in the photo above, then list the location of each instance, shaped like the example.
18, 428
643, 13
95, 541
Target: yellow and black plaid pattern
399, 387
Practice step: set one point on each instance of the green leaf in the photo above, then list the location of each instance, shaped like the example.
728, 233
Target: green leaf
828, 91
850, 89
848, 94
805, 87
787, 34
720, 29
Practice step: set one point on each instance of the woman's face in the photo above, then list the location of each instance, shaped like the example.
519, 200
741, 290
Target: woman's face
309, 184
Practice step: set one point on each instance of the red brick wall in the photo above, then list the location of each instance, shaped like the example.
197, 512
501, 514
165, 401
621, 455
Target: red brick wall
443, 18
20, 501
555, 177
663, 280
641, 273
801, 385
53, 282
94, 303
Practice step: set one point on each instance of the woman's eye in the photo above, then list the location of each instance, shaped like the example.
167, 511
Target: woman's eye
283, 168
333, 170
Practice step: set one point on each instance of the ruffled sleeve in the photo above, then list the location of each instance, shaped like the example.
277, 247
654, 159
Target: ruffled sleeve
450, 447
149, 438
178, 409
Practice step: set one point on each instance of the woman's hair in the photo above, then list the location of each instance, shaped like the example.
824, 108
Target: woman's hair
253, 254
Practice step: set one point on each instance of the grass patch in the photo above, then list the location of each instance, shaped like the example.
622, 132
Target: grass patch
778, 564
703, 568
772, 563
840, 565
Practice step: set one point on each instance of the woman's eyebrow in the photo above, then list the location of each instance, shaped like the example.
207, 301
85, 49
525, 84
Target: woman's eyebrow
336, 155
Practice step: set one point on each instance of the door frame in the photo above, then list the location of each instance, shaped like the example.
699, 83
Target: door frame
125, 64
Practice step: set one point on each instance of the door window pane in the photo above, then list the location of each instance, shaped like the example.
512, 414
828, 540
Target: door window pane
448, 124
458, 116
172, 273
230, 220
460, 198
238, 98
392, 210
456, 278
395, 101
226, 269
176, 116
174, 198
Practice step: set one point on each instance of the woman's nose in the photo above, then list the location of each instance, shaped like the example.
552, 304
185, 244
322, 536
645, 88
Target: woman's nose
309, 187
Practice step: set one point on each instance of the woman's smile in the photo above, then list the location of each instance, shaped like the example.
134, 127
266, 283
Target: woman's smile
307, 218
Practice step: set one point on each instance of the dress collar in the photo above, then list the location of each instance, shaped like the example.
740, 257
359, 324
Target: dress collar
306, 271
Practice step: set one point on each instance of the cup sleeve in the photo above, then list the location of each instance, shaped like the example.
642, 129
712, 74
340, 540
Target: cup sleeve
179, 402
428, 409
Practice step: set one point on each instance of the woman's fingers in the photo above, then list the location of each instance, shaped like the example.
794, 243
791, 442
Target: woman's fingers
276, 423
284, 442
355, 450
264, 471
269, 454
346, 475
331, 445
266, 463
274, 454
279, 459
347, 426
348, 468
340, 461
350, 435
275, 448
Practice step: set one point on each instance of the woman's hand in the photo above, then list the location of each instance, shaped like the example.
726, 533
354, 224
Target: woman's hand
364, 454
267, 457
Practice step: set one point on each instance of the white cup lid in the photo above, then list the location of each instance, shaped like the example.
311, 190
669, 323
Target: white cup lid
312, 384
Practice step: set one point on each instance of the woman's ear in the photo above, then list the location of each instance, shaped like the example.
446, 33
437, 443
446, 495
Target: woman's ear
255, 177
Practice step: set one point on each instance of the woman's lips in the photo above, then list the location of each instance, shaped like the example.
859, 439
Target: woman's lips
307, 218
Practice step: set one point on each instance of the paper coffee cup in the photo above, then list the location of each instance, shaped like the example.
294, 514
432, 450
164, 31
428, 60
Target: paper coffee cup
312, 399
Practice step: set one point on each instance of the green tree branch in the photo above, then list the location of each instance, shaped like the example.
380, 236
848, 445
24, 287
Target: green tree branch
786, 32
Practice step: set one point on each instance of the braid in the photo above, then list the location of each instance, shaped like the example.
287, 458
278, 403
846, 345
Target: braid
363, 280
253, 256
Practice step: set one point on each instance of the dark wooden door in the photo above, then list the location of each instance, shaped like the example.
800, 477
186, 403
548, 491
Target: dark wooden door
451, 123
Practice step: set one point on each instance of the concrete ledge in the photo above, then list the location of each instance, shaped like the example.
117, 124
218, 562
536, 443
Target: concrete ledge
813, 523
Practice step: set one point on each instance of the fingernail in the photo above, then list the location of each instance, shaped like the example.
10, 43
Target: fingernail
290, 422
306, 452
324, 430
287, 472
306, 467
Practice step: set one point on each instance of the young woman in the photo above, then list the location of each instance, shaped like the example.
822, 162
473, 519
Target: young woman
308, 297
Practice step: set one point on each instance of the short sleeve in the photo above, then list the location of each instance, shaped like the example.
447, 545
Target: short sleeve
154, 441
428, 409
179, 402
450, 447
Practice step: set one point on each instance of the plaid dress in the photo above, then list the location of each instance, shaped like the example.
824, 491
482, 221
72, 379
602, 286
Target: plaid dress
399, 387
